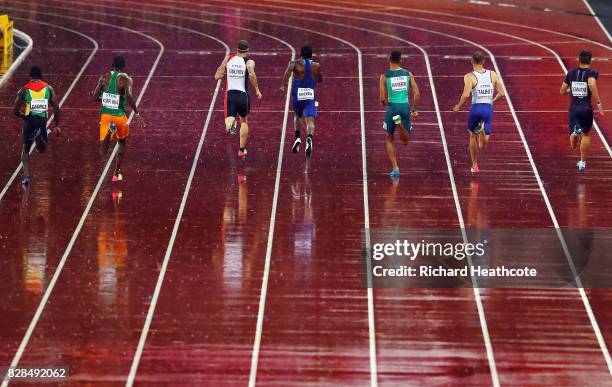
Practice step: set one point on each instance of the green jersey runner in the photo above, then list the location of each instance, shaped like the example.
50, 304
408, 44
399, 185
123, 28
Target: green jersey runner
113, 103
398, 85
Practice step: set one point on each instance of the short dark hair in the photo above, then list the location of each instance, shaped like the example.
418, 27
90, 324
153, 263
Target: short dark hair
478, 57
395, 57
585, 56
243, 46
35, 72
306, 52
118, 63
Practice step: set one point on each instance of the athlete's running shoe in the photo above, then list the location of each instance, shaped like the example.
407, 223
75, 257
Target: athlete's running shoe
234, 127
395, 173
475, 169
479, 127
577, 130
581, 165
112, 128
296, 145
308, 147
242, 154
25, 183
397, 119
117, 178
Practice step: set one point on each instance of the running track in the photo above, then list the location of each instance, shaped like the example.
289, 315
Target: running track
210, 235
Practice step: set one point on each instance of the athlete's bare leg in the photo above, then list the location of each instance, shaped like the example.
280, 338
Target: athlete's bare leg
120, 155
229, 121
391, 152
244, 131
585, 145
310, 125
403, 134
574, 140
105, 144
473, 149
483, 140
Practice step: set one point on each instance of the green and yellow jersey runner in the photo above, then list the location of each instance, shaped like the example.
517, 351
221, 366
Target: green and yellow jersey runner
112, 102
37, 102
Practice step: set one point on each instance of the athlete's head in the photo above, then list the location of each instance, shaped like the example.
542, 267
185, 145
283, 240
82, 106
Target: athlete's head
585, 57
118, 63
35, 72
395, 57
243, 46
306, 52
478, 58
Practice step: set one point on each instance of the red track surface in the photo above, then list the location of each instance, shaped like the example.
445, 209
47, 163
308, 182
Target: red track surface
315, 327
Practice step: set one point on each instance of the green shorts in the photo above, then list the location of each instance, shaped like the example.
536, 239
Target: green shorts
394, 109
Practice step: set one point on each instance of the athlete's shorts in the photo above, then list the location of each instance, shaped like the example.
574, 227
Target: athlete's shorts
306, 108
237, 103
394, 109
481, 112
581, 118
123, 130
34, 129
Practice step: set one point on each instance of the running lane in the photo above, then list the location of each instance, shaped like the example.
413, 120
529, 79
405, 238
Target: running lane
220, 247
37, 225
95, 314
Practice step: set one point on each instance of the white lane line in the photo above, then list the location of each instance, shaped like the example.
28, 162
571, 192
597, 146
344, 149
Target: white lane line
272, 225
177, 222
68, 91
603, 28
28, 48
62, 262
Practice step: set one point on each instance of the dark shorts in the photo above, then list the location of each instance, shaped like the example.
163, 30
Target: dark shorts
397, 109
34, 130
481, 112
305, 108
580, 117
237, 103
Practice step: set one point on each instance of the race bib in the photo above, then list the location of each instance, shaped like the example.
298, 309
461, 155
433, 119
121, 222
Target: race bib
580, 89
484, 91
305, 94
399, 83
39, 105
236, 71
110, 101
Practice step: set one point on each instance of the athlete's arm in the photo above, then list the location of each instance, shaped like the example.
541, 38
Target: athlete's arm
564, 88
287, 74
98, 92
252, 77
416, 96
467, 91
316, 68
383, 90
498, 86
19, 103
221, 70
595, 92
56, 111
127, 89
